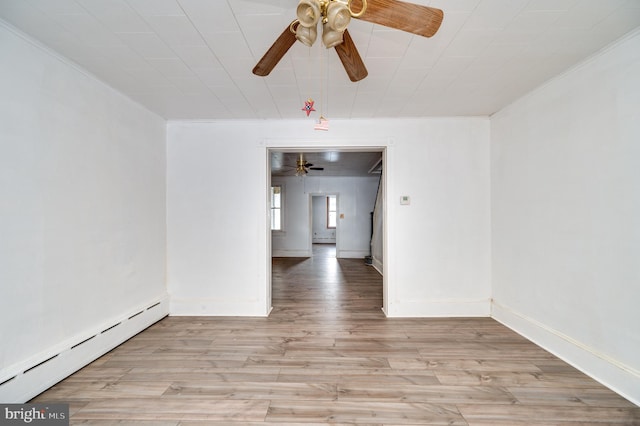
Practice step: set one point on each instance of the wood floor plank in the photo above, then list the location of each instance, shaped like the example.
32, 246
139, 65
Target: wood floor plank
223, 375
360, 376
121, 389
335, 362
481, 365
512, 378
365, 412
254, 390
563, 396
328, 355
161, 409
550, 414
422, 393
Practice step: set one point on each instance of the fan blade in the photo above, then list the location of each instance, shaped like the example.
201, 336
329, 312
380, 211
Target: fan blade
316, 168
308, 164
351, 59
413, 18
275, 53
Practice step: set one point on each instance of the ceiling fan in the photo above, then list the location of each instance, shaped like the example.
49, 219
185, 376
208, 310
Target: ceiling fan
335, 16
303, 166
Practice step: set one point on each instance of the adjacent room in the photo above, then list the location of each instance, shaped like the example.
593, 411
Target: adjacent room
321, 211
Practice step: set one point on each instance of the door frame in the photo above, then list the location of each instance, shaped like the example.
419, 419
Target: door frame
384, 148
337, 228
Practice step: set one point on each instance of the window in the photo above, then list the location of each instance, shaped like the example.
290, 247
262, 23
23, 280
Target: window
332, 212
276, 208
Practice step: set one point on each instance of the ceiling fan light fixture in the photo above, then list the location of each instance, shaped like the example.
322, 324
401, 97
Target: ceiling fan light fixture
330, 37
309, 12
306, 35
301, 170
301, 166
338, 16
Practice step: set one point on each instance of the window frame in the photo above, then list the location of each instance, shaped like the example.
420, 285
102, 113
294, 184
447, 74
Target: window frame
281, 208
335, 197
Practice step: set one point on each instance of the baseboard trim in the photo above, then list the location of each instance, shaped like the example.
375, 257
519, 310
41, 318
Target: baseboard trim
620, 378
290, 253
22, 382
440, 308
352, 254
377, 264
217, 308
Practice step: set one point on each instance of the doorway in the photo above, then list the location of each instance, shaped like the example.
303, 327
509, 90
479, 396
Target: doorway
348, 200
323, 213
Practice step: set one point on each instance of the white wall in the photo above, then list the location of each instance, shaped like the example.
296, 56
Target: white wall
320, 233
566, 216
438, 247
356, 196
82, 210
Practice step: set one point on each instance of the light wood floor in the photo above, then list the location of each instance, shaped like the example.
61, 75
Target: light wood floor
327, 354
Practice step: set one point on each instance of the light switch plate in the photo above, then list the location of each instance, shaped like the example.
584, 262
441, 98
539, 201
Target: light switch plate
405, 200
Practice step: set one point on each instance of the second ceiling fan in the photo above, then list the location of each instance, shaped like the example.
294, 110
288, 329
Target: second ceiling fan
303, 166
335, 16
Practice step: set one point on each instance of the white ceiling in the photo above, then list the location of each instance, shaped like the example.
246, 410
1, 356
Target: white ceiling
192, 59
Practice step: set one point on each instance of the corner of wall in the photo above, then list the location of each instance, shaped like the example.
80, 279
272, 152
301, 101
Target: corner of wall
618, 377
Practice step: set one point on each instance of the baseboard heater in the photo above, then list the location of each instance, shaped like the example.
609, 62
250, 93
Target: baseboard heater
32, 379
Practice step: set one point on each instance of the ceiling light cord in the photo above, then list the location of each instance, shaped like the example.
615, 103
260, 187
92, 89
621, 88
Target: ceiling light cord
321, 82
324, 89
309, 70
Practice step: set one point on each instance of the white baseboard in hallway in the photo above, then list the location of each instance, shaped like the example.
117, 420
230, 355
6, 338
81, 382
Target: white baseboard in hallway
441, 308
621, 378
22, 382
